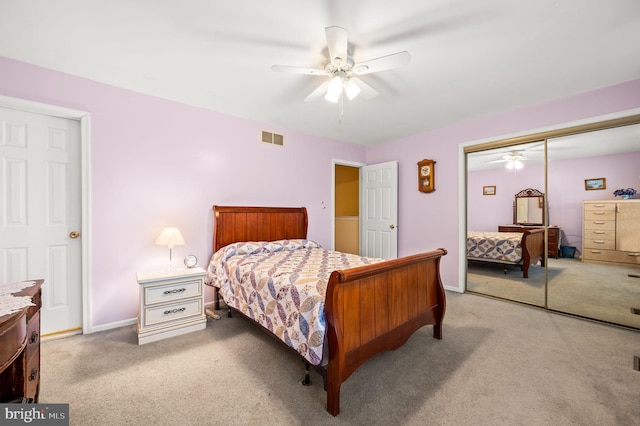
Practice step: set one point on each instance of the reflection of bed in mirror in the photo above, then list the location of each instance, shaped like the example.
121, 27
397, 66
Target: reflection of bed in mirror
509, 248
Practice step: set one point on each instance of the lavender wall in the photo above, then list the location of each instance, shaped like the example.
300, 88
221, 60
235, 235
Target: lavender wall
157, 163
432, 220
565, 194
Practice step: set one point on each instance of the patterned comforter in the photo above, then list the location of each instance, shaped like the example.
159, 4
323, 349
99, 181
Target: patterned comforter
282, 286
495, 246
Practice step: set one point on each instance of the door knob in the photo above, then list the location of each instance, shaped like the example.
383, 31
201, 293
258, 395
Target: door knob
392, 226
74, 234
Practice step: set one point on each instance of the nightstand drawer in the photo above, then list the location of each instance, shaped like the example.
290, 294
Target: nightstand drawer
169, 313
171, 292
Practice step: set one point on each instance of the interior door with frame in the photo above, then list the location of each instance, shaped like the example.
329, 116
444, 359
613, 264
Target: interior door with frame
41, 213
379, 210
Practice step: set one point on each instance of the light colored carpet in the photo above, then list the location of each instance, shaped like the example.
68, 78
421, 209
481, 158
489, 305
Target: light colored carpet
499, 363
602, 292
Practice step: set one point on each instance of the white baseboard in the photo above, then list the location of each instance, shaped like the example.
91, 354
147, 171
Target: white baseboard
117, 324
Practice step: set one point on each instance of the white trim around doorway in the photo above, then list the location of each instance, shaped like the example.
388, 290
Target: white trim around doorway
85, 155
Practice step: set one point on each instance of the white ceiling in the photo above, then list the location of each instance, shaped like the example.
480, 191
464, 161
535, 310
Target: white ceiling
470, 58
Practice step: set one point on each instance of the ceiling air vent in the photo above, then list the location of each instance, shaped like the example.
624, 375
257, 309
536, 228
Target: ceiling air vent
272, 138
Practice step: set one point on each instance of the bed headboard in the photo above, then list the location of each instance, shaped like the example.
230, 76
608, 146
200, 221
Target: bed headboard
233, 223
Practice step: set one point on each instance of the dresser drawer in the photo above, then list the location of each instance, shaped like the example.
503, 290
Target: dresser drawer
599, 234
600, 206
611, 256
173, 312
172, 292
32, 373
595, 243
609, 225
599, 215
33, 334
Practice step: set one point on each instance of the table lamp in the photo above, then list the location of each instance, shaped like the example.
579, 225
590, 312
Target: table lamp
170, 237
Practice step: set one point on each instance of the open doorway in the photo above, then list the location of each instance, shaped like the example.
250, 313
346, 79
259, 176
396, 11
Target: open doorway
347, 208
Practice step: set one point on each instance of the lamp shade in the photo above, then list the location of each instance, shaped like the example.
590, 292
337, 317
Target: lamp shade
170, 237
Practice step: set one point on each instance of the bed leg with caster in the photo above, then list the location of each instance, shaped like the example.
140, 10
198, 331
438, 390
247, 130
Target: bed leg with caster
229, 312
307, 379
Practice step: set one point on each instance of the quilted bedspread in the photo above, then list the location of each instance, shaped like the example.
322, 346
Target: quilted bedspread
500, 246
282, 286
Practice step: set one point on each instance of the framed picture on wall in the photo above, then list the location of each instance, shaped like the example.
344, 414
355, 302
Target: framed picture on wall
594, 184
426, 175
488, 190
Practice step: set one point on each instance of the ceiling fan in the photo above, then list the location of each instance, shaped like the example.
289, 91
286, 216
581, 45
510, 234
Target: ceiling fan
513, 159
344, 71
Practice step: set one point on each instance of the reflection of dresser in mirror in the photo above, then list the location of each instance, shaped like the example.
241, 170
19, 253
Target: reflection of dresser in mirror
611, 232
528, 213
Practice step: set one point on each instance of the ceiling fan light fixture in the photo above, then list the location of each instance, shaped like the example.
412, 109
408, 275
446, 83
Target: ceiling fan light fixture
514, 164
351, 89
334, 90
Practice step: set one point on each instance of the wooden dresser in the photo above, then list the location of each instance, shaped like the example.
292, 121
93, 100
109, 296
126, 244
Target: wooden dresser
553, 240
611, 232
20, 350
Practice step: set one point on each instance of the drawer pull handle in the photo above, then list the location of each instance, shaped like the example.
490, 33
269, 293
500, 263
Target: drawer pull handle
634, 254
598, 232
598, 222
598, 241
598, 205
599, 213
175, 290
34, 374
174, 311
596, 251
34, 337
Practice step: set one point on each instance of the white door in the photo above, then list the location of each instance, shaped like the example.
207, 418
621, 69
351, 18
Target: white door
40, 196
379, 210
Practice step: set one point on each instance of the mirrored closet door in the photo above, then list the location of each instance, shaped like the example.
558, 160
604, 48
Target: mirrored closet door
590, 265
505, 222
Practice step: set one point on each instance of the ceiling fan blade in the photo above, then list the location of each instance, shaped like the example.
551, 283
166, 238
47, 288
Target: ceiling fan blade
382, 63
337, 43
298, 70
366, 91
318, 93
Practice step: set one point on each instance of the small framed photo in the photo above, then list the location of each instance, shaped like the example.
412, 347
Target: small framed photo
426, 175
594, 184
488, 190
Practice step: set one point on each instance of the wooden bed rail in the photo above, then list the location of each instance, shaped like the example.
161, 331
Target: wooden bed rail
376, 308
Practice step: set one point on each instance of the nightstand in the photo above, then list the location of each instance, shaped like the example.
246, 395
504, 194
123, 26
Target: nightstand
171, 304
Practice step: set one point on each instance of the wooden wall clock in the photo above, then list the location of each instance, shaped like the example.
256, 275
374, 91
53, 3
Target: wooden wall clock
426, 175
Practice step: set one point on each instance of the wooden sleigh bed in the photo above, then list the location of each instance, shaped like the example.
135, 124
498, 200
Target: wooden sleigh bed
490, 247
368, 309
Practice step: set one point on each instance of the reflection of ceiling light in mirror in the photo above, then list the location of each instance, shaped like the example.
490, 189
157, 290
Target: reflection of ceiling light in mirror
514, 165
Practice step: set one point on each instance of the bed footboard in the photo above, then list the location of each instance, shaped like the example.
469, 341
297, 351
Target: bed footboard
376, 308
532, 249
